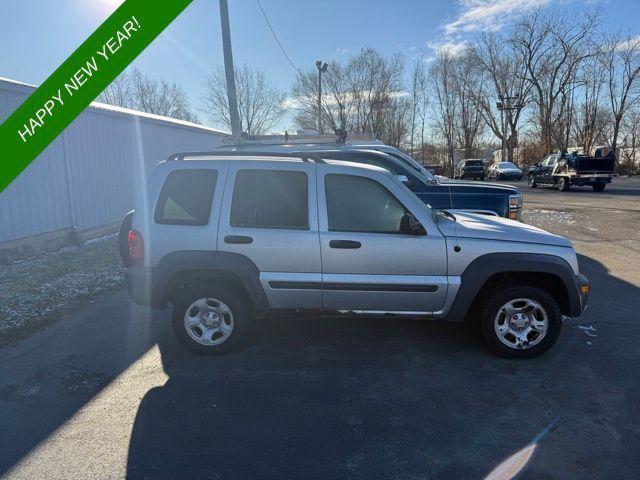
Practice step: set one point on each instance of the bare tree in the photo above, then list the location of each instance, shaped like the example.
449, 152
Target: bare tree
260, 104
621, 64
119, 92
589, 115
500, 72
419, 101
552, 49
468, 121
133, 89
441, 73
363, 96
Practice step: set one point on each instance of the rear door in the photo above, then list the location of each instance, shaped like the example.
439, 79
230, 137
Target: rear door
367, 263
269, 216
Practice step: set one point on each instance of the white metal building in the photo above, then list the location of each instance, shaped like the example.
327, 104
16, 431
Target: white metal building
85, 181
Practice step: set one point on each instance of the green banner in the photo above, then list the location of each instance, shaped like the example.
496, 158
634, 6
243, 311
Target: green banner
80, 79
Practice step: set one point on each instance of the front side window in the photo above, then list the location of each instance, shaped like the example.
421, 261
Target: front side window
185, 198
360, 204
270, 199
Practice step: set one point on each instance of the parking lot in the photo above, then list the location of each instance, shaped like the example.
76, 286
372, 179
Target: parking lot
109, 393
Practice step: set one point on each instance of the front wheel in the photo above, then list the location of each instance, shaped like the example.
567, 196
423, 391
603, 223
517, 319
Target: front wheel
521, 322
210, 320
598, 187
532, 182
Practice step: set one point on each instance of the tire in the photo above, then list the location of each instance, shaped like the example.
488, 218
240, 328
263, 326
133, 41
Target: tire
496, 318
532, 182
563, 184
230, 310
598, 187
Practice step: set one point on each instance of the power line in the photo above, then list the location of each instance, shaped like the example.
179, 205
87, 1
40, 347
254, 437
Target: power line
276, 38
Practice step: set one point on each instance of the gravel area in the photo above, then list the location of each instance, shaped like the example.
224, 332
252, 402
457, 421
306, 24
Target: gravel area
44, 289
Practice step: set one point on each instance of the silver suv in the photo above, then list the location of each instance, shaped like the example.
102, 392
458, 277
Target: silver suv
225, 237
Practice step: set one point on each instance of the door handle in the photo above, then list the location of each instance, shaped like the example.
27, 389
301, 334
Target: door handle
344, 244
238, 239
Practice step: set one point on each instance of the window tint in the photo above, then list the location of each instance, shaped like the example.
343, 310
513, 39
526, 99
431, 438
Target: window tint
358, 204
186, 197
270, 199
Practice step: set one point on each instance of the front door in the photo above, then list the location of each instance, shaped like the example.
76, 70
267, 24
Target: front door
367, 263
547, 167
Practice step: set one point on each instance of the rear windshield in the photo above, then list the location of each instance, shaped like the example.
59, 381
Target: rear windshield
473, 163
186, 198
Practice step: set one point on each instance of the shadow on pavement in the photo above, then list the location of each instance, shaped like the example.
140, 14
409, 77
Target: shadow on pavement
361, 398
375, 398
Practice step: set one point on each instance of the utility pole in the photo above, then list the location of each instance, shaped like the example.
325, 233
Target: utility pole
322, 67
234, 117
505, 105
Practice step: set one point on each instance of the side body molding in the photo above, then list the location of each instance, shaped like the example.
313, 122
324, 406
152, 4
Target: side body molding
485, 266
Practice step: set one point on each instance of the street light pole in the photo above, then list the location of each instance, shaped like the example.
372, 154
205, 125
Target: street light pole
234, 117
505, 105
322, 67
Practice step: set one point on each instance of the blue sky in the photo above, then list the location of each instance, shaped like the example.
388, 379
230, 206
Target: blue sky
37, 35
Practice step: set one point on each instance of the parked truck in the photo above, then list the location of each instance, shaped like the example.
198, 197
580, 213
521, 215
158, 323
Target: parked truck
572, 169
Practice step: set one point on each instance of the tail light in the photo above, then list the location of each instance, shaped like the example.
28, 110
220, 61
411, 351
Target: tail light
515, 207
136, 247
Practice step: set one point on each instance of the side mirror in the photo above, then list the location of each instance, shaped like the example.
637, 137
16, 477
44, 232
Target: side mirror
410, 226
401, 178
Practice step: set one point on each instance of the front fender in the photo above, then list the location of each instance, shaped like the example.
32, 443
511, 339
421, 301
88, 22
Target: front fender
476, 275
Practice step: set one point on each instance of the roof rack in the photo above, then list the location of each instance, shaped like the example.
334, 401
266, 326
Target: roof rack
304, 156
300, 138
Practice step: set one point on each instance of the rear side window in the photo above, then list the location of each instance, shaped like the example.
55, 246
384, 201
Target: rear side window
270, 199
186, 197
359, 204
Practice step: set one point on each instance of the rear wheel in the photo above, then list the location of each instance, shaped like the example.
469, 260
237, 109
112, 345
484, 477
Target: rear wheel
521, 322
563, 184
598, 187
532, 182
210, 320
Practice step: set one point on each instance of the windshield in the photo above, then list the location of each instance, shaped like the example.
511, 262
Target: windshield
507, 165
473, 163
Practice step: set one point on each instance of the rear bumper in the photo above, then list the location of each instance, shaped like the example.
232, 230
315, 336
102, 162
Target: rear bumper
145, 288
590, 179
472, 175
510, 175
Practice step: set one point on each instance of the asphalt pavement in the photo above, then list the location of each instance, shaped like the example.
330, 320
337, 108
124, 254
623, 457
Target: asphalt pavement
108, 393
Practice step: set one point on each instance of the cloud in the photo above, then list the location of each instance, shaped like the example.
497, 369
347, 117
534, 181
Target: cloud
290, 103
488, 15
629, 44
453, 47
